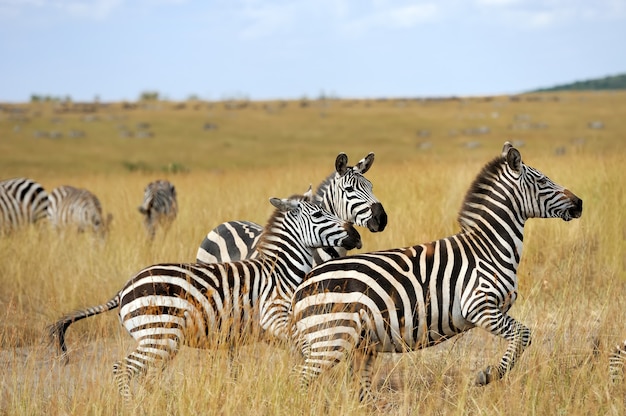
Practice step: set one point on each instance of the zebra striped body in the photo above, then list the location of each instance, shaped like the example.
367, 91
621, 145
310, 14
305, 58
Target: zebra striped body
79, 208
415, 297
345, 193
22, 201
159, 206
165, 306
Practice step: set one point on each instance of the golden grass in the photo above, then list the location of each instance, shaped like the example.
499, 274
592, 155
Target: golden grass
572, 276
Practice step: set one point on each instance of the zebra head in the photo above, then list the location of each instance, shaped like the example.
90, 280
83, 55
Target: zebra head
314, 227
539, 196
348, 194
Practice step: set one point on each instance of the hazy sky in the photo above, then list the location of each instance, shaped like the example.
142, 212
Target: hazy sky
265, 49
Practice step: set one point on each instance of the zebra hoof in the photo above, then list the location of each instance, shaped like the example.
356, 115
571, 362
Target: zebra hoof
485, 377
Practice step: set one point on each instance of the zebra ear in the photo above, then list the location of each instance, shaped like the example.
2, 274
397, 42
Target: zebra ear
308, 195
341, 164
365, 164
284, 204
512, 156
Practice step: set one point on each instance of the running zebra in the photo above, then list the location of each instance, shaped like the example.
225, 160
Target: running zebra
159, 205
415, 297
165, 306
345, 193
70, 206
22, 201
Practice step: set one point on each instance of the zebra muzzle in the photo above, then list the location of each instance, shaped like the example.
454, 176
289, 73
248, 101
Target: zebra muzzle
378, 222
576, 210
353, 240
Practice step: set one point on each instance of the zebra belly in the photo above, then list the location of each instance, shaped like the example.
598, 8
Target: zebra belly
397, 336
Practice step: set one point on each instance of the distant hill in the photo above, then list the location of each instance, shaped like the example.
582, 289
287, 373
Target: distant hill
614, 82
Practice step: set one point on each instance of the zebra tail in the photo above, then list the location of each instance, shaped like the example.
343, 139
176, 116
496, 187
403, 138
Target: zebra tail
57, 330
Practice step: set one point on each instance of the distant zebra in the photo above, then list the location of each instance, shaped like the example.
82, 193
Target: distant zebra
22, 201
165, 306
74, 207
410, 298
616, 362
159, 205
345, 192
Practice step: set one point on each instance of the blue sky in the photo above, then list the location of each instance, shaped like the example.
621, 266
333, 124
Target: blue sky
274, 49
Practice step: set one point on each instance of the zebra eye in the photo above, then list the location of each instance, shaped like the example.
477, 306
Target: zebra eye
542, 181
317, 214
349, 189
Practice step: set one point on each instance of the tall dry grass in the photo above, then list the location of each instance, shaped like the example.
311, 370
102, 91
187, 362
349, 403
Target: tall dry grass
572, 276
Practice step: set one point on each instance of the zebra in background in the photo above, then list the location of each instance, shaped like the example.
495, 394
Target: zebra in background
22, 201
345, 192
70, 206
410, 298
165, 306
159, 205
616, 362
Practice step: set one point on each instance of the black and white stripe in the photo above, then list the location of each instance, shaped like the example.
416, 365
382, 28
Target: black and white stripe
617, 358
415, 297
78, 208
159, 205
22, 201
165, 306
345, 192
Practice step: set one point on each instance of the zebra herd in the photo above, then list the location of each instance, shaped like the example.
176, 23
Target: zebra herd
291, 281
24, 201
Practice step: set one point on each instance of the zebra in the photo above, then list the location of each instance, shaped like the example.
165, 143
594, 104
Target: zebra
410, 298
345, 192
159, 205
616, 362
165, 306
22, 201
70, 206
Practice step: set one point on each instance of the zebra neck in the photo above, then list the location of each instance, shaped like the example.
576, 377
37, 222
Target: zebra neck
500, 236
284, 262
491, 213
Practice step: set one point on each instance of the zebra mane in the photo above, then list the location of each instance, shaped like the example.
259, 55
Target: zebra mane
490, 171
323, 186
276, 216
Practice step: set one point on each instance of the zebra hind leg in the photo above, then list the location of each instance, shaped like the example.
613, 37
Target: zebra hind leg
123, 372
365, 361
137, 363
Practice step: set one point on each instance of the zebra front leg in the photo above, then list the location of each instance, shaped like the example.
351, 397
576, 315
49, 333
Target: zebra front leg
519, 338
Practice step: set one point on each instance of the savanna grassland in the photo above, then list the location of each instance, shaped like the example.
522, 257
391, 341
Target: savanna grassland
227, 159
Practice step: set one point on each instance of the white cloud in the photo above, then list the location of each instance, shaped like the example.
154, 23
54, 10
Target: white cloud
93, 9
266, 20
541, 13
393, 18
497, 3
